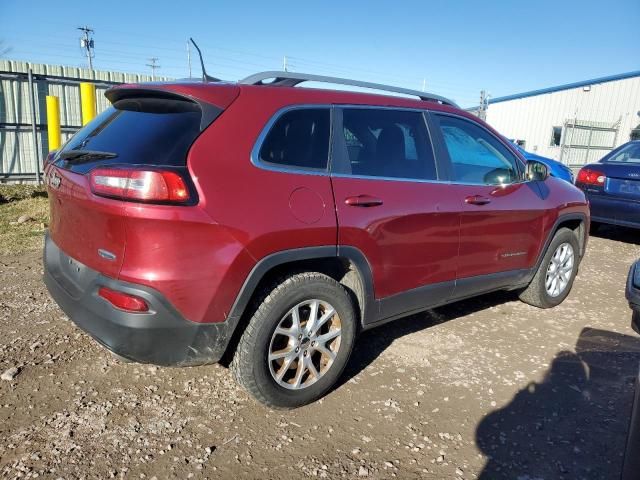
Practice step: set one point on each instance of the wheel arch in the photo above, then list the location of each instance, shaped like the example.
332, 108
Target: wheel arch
346, 264
574, 221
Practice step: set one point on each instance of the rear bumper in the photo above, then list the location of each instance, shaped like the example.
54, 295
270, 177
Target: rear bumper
161, 336
615, 211
632, 292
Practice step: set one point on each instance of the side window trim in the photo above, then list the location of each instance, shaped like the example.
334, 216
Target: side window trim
340, 166
340, 159
441, 154
444, 152
275, 167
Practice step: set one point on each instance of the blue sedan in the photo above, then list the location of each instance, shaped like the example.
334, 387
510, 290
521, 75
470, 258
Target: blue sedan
613, 186
556, 169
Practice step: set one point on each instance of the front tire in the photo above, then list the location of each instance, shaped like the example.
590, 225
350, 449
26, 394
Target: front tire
555, 275
297, 342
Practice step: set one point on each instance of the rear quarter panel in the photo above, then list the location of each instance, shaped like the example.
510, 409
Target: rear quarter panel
256, 207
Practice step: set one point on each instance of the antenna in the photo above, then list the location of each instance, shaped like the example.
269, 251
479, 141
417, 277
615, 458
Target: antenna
205, 78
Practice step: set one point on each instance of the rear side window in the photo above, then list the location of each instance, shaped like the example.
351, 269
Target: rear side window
476, 156
299, 138
144, 131
387, 143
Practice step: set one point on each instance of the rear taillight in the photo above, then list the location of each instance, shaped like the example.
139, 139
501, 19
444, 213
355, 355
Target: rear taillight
139, 185
123, 301
591, 177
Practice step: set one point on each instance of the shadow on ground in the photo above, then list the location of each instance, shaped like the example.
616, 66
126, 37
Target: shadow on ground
618, 234
573, 424
372, 343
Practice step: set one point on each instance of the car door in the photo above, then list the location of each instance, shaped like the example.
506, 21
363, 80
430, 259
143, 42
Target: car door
391, 205
501, 215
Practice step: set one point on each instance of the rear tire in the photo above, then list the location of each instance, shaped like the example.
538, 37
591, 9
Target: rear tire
284, 359
555, 275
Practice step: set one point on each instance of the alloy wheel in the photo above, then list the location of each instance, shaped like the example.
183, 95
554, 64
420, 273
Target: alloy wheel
304, 345
559, 270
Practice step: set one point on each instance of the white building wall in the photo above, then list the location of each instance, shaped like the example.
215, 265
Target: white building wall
532, 118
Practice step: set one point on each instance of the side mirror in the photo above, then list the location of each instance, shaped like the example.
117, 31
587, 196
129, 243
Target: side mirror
536, 171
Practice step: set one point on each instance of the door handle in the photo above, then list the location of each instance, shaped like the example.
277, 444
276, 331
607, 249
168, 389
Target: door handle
363, 201
477, 200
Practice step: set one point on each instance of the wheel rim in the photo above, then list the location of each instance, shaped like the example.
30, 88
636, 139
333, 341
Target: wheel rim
305, 344
559, 270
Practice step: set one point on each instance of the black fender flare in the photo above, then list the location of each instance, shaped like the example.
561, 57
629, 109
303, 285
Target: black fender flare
266, 264
552, 231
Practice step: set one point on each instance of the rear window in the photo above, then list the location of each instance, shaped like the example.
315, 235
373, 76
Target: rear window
627, 154
144, 131
299, 138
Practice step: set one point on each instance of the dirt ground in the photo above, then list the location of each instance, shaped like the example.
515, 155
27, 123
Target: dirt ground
488, 388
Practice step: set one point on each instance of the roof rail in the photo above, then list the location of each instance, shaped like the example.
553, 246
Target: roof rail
291, 79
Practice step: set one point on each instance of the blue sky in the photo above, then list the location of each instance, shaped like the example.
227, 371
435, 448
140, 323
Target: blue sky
459, 47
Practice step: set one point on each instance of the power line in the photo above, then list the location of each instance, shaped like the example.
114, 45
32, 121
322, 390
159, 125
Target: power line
87, 44
347, 67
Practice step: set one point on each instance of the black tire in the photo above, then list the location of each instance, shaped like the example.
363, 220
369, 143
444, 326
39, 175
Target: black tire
536, 293
250, 364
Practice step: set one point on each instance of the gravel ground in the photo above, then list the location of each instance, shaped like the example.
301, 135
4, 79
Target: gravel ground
488, 388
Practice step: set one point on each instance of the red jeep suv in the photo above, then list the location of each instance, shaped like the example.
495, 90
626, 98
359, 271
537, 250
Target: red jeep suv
271, 224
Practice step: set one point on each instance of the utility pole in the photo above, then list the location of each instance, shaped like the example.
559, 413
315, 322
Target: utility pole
484, 105
189, 56
424, 84
87, 44
154, 65
284, 63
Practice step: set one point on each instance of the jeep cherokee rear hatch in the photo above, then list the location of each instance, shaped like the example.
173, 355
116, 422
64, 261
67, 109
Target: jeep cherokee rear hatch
135, 151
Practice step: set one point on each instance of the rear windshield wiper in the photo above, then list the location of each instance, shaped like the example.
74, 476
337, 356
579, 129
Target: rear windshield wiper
81, 156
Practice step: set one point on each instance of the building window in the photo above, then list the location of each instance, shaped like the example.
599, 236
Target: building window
556, 133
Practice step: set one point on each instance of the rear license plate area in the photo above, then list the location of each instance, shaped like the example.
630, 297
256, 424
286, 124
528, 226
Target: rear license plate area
628, 188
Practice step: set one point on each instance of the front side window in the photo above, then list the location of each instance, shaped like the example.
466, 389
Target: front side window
476, 156
387, 143
298, 138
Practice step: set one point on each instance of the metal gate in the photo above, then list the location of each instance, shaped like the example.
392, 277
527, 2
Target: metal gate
585, 141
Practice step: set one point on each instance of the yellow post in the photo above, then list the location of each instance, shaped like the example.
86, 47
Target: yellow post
88, 100
53, 123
